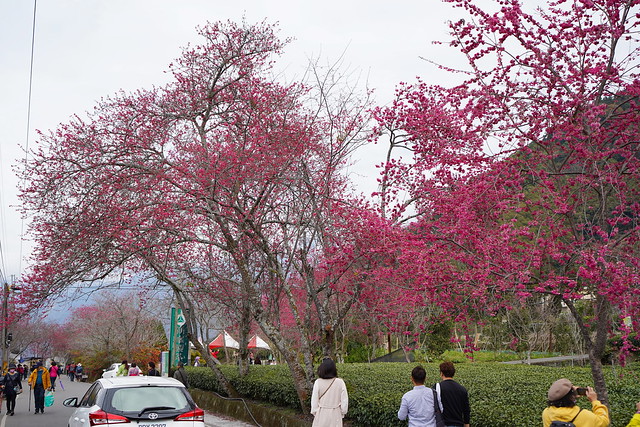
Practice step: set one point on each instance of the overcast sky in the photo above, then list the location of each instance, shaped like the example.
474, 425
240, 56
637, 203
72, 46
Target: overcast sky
87, 49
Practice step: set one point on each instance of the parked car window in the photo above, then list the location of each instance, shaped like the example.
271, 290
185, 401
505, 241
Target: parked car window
139, 398
89, 398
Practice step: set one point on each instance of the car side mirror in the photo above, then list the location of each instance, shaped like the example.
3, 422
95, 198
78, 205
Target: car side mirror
71, 402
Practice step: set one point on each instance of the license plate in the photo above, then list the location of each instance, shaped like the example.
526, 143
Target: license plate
153, 425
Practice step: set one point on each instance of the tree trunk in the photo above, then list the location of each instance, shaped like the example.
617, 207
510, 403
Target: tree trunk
188, 311
245, 329
598, 378
328, 342
596, 352
595, 345
301, 382
211, 363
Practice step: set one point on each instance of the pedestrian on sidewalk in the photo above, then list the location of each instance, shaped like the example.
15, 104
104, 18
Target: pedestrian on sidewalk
453, 398
79, 372
153, 372
181, 375
562, 403
53, 375
39, 381
329, 399
134, 371
72, 371
123, 369
418, 404
12, 387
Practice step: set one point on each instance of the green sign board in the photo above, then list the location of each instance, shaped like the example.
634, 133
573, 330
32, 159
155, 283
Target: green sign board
178, 341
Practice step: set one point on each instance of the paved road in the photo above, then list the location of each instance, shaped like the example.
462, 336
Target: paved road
549, 360
213, 420
58, 415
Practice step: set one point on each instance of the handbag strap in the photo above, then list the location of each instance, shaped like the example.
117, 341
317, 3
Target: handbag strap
436, 407
437, 413
439, 396
576, 416
326, 390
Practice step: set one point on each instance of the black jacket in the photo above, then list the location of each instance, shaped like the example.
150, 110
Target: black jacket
181, 375
10, 382
455, 401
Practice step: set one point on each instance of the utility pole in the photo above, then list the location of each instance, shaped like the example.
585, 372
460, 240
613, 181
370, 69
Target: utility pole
5, 325
6, 335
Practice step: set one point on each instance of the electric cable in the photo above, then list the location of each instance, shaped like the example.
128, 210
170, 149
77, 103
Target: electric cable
26, 150
3, 229
245, 406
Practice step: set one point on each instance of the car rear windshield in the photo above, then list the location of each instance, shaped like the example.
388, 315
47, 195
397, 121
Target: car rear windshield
155, 398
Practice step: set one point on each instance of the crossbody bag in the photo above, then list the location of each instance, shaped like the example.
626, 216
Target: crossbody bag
325, 392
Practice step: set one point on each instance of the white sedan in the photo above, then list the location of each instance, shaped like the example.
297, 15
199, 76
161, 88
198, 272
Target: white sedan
111, 371
136, 401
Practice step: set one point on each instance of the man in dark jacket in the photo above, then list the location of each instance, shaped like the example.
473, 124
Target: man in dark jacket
181, 375
453, 398
12, 386
153, 372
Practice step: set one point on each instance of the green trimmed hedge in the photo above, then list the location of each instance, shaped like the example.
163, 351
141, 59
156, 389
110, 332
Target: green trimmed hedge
500, 395
267, 383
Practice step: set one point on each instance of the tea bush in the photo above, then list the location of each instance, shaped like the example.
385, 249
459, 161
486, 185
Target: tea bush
500, 395
457, 356
267, 383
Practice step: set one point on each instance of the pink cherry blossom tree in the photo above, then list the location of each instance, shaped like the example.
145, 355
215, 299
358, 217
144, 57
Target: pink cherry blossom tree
221, 185
522, 181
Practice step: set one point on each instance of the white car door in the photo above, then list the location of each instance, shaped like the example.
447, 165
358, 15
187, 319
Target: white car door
80, 417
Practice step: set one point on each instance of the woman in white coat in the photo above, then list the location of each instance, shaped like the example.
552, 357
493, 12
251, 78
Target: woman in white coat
329, 400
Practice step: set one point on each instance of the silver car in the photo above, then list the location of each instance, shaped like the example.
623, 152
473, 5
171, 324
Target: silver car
137, 401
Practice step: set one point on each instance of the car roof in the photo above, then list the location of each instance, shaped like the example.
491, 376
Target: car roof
140, 380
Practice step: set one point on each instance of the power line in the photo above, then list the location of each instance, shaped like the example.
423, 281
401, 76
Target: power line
26, 150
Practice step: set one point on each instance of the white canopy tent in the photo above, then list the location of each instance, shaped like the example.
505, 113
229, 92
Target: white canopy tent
257, 342
224, 340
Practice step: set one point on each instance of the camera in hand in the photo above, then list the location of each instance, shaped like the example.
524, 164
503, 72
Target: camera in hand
581, 391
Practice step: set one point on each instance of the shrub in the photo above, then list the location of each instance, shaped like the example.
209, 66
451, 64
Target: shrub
267, 383
457, 356
439, 338
500, 395
454, 356
358, 352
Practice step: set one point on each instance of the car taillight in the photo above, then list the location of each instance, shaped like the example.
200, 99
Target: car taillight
195, 415
100, 418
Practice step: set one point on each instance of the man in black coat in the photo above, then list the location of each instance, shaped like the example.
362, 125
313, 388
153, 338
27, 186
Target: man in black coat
453, 398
